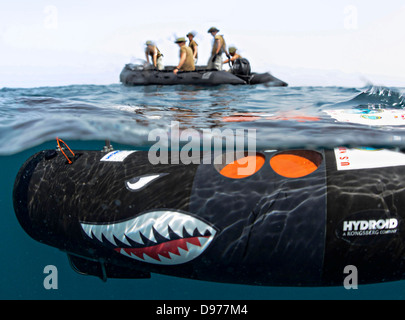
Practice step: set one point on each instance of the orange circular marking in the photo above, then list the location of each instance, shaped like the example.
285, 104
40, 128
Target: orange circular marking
243, 167
292, 165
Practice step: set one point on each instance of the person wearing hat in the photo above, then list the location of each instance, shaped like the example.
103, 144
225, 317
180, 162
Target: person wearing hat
233, 54
193, 45
186, 57
155, 54
219, 47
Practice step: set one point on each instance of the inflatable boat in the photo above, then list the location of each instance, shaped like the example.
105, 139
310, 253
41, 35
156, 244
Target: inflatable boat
133, 75
294, 218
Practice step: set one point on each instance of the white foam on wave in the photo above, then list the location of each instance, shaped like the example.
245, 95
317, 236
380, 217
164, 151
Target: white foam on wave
127, 108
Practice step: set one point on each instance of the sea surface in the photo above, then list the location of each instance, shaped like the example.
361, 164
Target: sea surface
85, 116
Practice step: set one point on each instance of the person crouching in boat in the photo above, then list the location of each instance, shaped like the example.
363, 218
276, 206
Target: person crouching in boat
155, 54
193, 45
186, 57
233, 54
218, 48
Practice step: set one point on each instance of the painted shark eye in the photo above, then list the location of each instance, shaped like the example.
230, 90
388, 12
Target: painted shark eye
138, 183
296, 163
241, 167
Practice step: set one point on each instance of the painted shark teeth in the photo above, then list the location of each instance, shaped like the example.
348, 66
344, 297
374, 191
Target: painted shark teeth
159, 237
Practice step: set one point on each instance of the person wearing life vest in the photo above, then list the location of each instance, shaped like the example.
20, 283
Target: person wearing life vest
193, 45
186, 57
234, 55
156, 56
219, 47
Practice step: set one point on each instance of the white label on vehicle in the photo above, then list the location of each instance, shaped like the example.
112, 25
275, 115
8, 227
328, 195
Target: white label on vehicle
367, 158
117, 156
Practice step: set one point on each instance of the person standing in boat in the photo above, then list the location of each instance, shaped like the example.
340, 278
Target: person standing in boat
193, 45
186, 57
234, 55
218, 48
155, 54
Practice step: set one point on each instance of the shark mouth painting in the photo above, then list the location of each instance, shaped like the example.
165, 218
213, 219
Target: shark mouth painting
160, 237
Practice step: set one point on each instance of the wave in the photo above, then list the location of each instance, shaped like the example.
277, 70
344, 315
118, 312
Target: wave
374, 97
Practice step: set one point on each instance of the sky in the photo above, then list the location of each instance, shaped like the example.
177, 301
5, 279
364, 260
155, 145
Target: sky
311, 42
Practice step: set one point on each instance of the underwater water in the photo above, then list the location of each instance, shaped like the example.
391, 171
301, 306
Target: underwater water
85, 116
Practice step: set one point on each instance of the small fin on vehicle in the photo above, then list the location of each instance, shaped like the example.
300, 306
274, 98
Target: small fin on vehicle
104, 270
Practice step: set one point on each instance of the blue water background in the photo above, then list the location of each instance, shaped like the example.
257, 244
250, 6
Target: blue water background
84, 116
